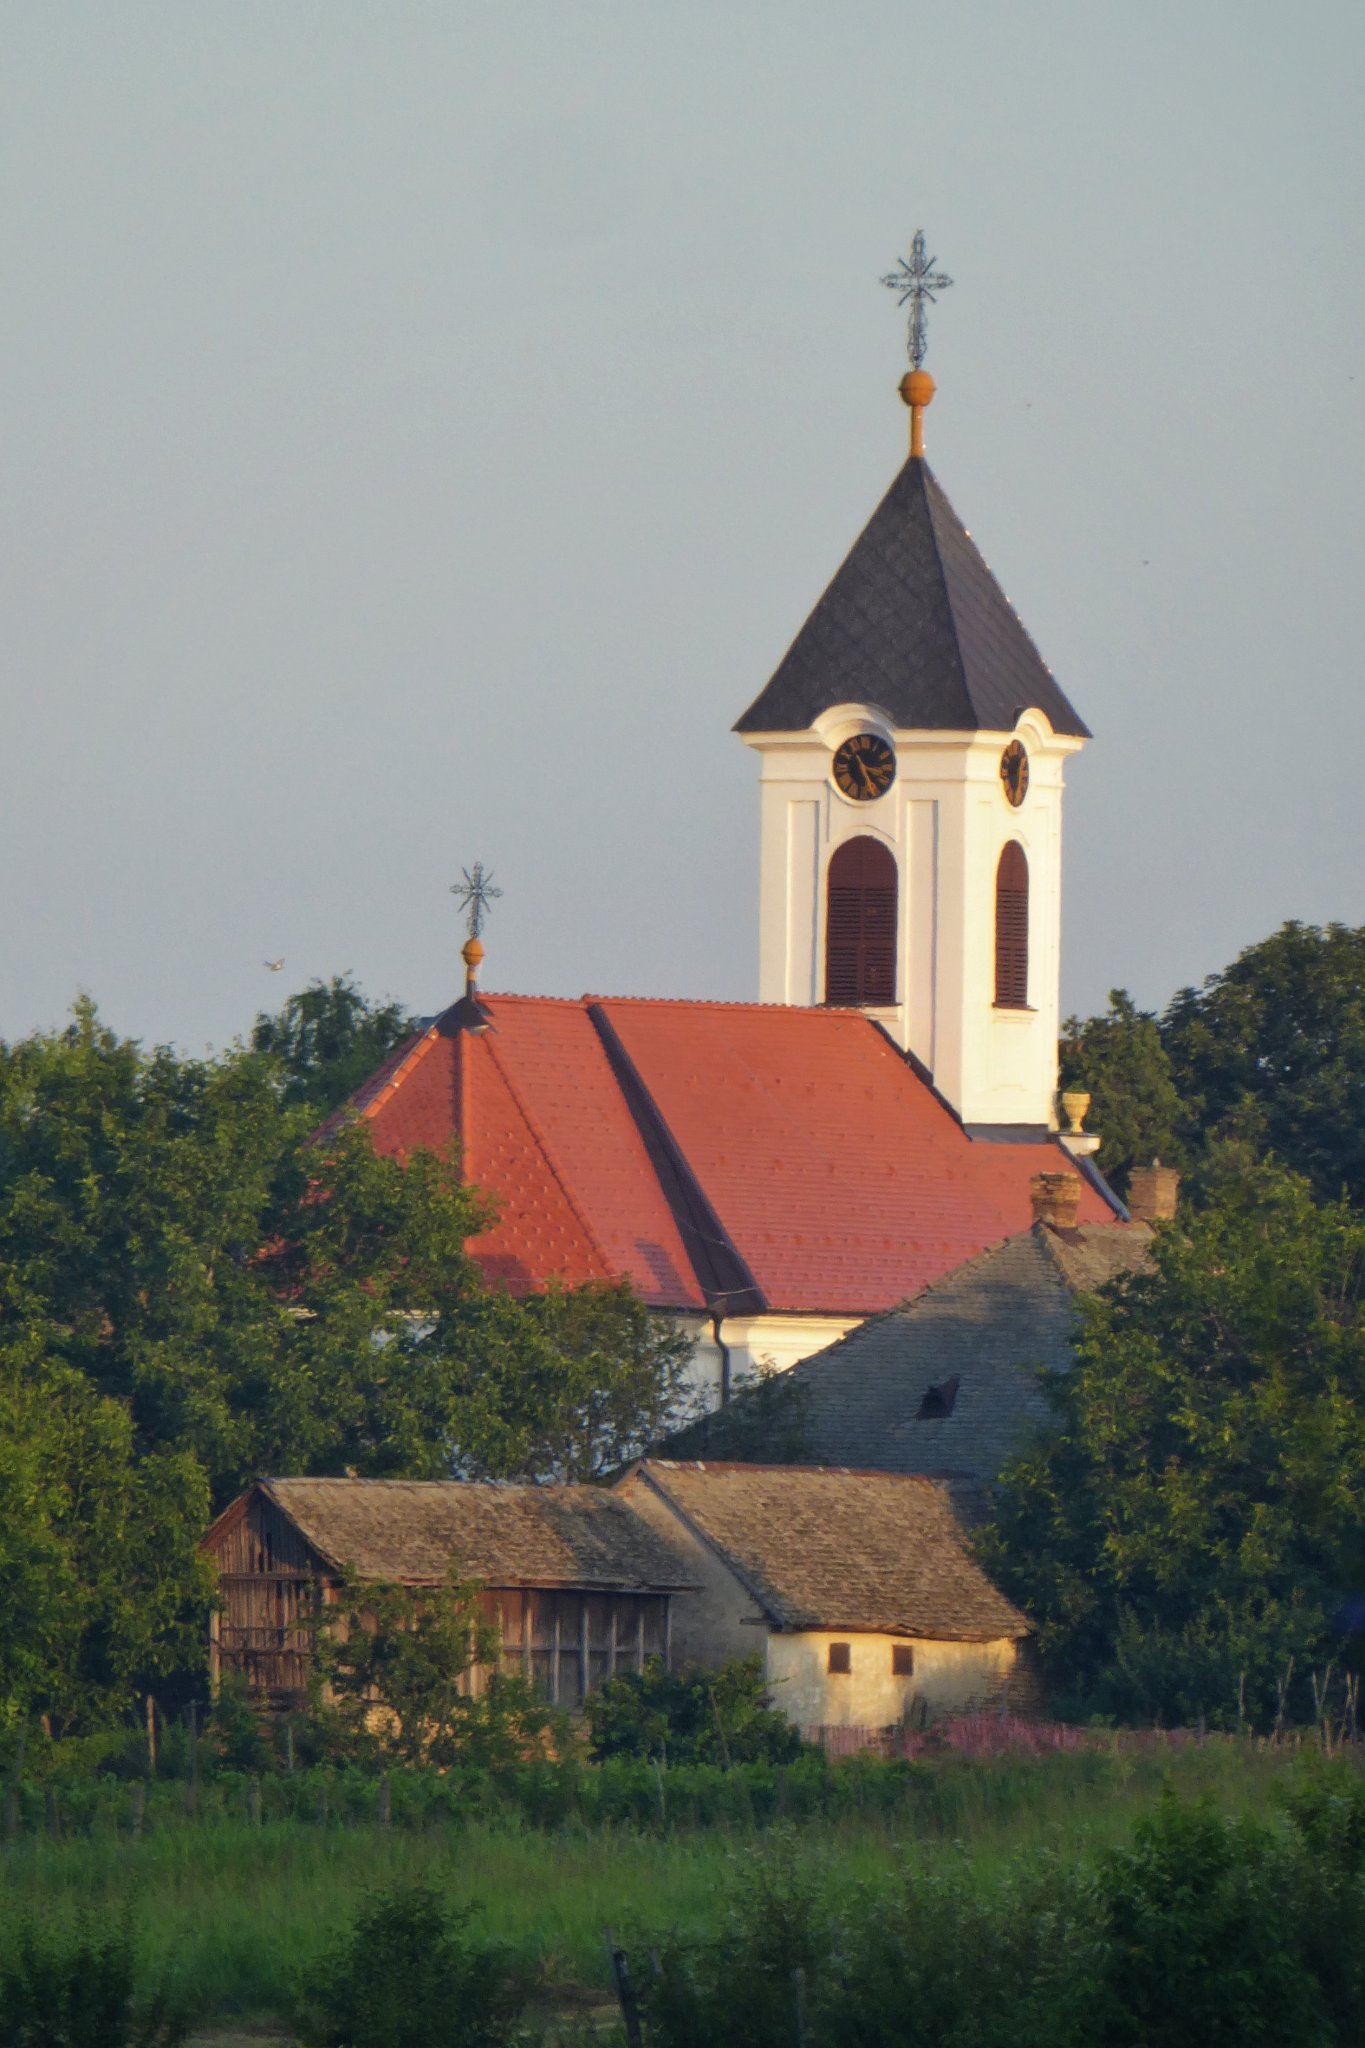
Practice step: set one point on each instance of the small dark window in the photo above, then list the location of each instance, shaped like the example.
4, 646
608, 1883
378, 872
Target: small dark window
902, 1660
938, 1401
841, 1657
1011, 929
860, 924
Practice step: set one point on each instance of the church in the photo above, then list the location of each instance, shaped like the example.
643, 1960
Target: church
773, 1173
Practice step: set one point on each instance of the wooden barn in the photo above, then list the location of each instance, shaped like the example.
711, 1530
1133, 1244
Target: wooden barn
578, 1583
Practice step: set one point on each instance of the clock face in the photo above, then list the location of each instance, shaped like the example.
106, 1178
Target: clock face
864, 767
1014, 772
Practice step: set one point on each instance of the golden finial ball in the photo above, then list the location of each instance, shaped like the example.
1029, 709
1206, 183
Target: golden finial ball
471, 952
916, 387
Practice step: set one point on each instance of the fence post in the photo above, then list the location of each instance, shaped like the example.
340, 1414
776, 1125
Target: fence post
385, 1807
625, 1991
137, 1808
253, 1802
151, 1736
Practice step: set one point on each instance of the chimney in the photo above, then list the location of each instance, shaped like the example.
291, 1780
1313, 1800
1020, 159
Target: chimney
1056, 1199
1152, 1193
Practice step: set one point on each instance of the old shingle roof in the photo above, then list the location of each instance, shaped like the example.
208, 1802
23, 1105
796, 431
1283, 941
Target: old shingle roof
411, 1531
823, 1549
991, 1325
914, 623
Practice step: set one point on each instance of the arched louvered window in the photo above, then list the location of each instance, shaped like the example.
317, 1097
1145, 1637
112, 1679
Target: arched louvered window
1011, 929
860, 924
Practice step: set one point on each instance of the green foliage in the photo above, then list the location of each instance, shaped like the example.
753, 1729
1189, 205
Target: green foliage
1269, 1055
1197, 1518
1201, 1933
328, 1039
722, 1717
1204, 1936
615, 1381
231, 1912
392, 1680
1267, 1058
76, 1990
195, 1290
409, 1974
766, 1421
1120, 1060
748, 1981
236, 1736
102, 1590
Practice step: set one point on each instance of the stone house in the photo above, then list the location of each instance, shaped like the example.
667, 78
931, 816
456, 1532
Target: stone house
856, 1589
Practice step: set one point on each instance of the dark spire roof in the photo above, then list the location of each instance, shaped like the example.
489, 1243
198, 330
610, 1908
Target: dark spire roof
915, 623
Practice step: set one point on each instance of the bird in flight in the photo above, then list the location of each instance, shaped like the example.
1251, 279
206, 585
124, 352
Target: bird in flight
275, 965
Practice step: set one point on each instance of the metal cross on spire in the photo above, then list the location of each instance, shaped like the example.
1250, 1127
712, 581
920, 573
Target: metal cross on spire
474, 894
917, 281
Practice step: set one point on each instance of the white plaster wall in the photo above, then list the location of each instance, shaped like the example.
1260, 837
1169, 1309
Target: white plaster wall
723, 1620
949, 1678
946, 819
756, 1344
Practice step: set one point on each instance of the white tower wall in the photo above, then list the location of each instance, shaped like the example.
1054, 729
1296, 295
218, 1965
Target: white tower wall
946, 819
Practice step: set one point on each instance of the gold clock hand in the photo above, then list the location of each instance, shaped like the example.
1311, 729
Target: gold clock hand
866, 777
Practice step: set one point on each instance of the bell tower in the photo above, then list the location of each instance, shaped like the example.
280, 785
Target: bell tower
911, 749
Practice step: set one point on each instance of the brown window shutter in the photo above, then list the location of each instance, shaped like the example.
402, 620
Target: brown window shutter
1011, 929
860, 924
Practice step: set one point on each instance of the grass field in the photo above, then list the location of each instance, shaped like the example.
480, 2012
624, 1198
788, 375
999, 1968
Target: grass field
229, 1913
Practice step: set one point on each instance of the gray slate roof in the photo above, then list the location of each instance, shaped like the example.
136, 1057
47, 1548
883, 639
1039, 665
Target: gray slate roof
862, 1551
991, 1323
914, 623
410, 1531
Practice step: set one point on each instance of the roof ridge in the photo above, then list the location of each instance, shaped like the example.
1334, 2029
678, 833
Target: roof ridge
927, 477
404, 1061
787, 1471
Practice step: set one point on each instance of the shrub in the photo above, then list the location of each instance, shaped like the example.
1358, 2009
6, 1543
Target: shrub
749, 1982
60, 1989
709, 1717
1205, 1936
409, 1974
391, 1682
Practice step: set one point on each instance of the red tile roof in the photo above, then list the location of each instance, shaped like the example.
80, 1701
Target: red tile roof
619, 1135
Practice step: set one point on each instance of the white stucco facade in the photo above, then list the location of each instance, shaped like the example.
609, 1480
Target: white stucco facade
942, 1679
738, 1349
946, 819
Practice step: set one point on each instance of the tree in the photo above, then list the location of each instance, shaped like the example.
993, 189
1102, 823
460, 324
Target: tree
716, 1717
1270, 1054
1197, 1517
167, 1231
328, 1039
196, 1289
393, 1678
102, 1589
616, 1379
409, 1973
1120, 1060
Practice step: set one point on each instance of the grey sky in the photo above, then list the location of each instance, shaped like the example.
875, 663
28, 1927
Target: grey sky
425, 426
